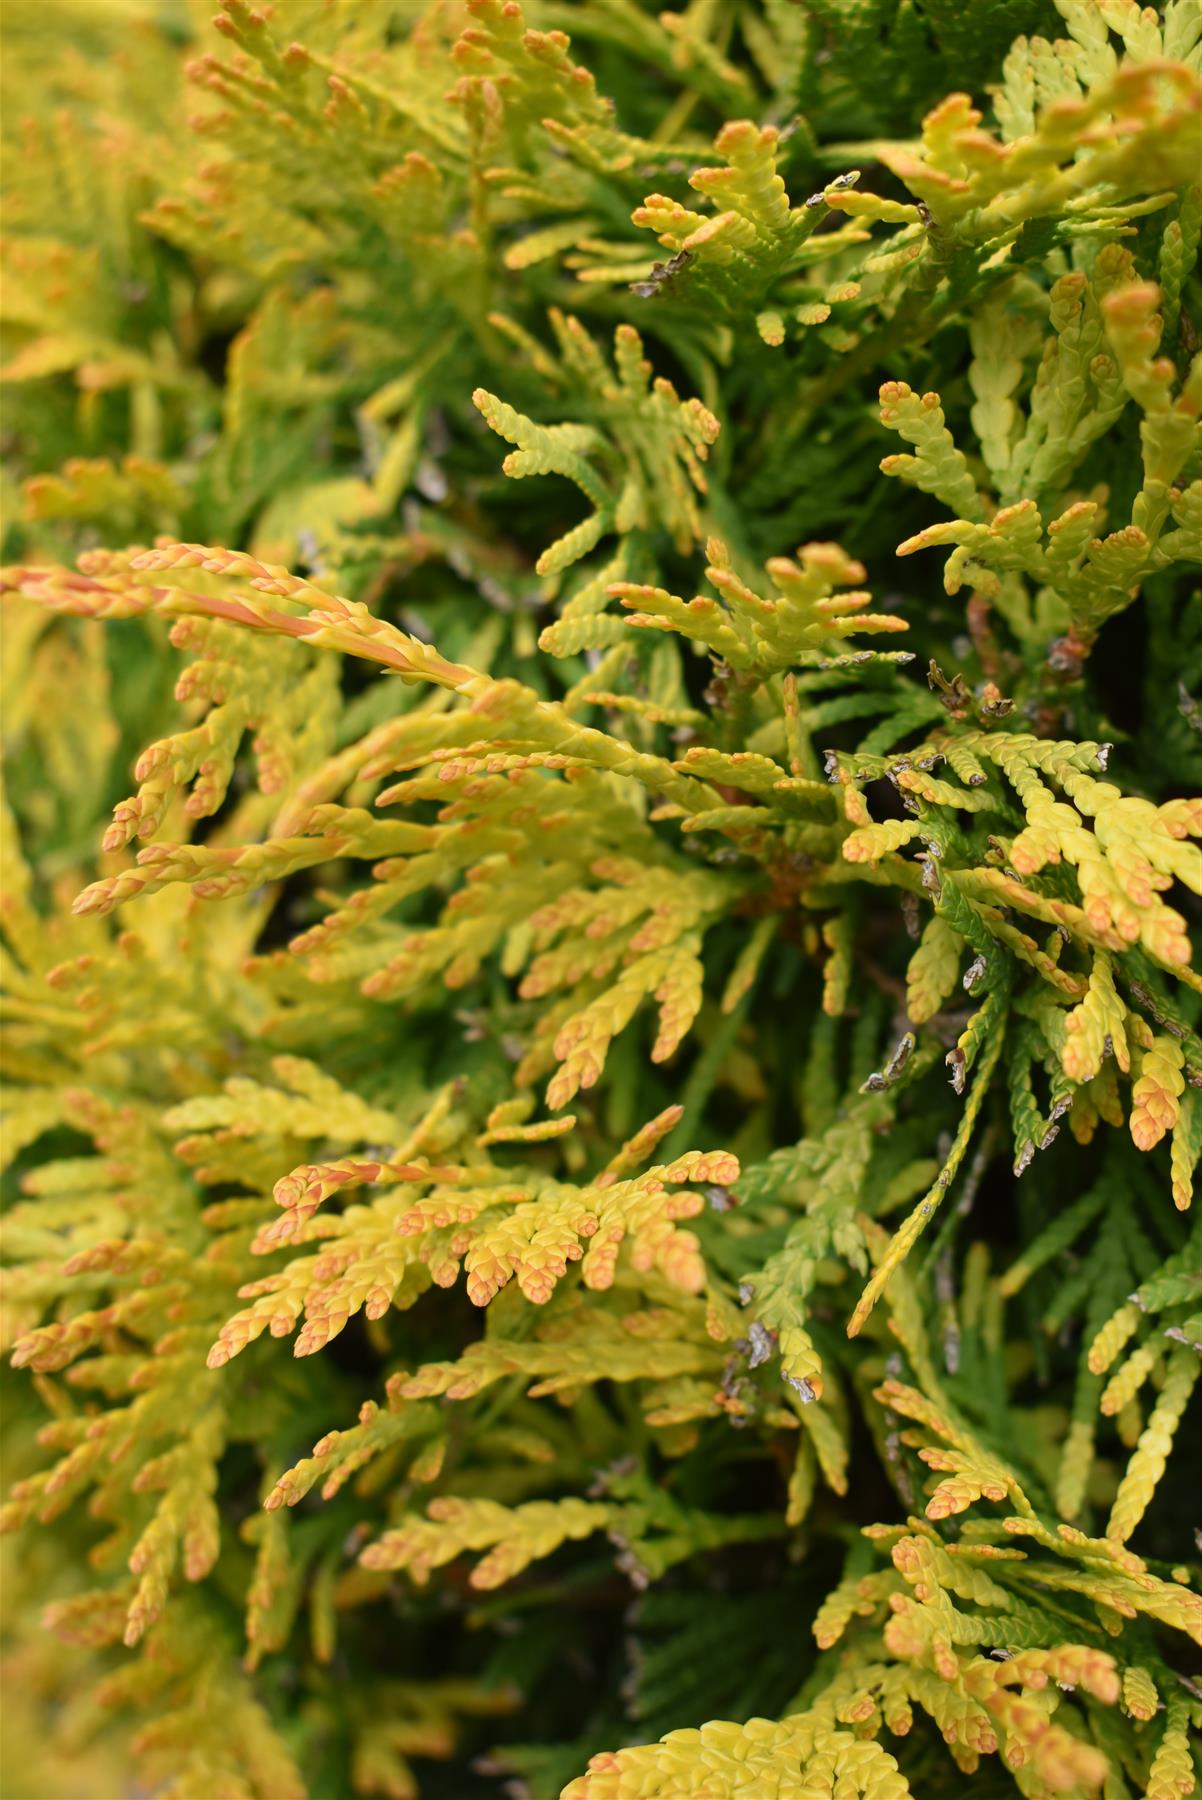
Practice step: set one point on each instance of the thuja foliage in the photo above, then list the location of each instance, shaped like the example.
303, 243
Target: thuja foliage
600, 1153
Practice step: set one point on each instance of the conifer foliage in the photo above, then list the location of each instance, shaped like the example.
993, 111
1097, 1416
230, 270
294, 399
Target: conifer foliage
600, 1141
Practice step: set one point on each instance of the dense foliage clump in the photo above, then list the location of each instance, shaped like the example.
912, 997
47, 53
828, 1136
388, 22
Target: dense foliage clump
653, 955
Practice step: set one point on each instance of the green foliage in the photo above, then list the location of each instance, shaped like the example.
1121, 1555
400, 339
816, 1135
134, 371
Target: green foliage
813, 1395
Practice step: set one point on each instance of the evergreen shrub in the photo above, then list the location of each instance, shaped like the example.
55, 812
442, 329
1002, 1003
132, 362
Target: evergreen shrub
600, 1152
